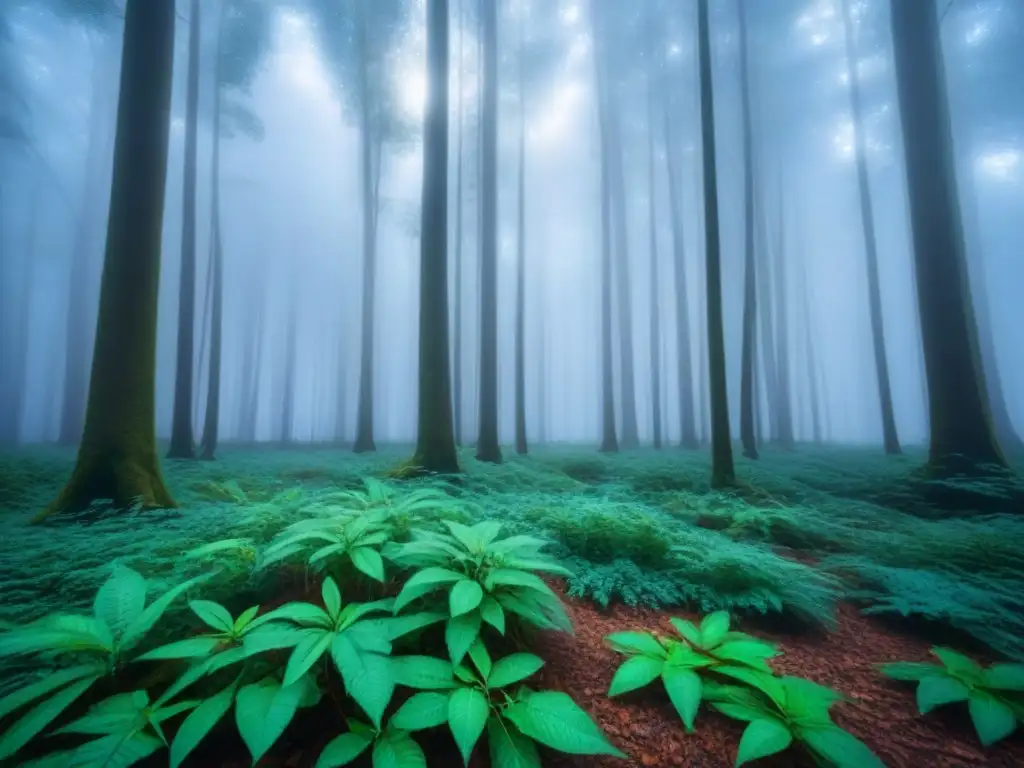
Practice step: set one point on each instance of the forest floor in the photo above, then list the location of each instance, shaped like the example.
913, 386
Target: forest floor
831, 552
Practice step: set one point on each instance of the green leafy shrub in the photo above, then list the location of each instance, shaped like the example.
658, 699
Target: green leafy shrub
101, 643
603, 531
994, 694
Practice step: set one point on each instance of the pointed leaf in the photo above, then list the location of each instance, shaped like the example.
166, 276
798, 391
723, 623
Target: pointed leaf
306, 654
120, 600
713, 628
839, 748
635, 672
465, 597
331, 597
993, 718
152, 613
909, 670
687, 630
481, 658
1004, 677
193, 648
397, 750
40, 716
636, 643
509, 747
684, 689
468, 710
422, 710
422, 672
492, 613
262, 713
19, 697
343, 750
369, 562
200, 722
423, 582
513, 669
762, 738
367, 677
460, 634
212, 614
554, 720
936, 690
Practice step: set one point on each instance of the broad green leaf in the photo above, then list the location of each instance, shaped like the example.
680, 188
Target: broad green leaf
331, 597
306, 654
1004, 677
369, 562
218, 546
400, 626
200, 722
466, 536
636, 642
838, 747
993, 718
423, 582
115, 714
684, 690
762, 738
492, 613
273, 637
486, 532
536, 564
520, 545
370, 636
481, 658
509, 747
19, 697
508, 577
513, 669
422, 710
193, 648
40, 716
115, 751
397, 750
343, 749
152, 612
687, 630
768, 684
635, 672
543, 611
367, 677
262, 712
245, 618
422, 672
958, 665
936, 690
807, 702
909, 670
120, 600
752, 653
713, 628
464, 597
325, 552
212, 614
200, 669
355, 611
460, 633
40, 637
553, 719
305, 614
468, 710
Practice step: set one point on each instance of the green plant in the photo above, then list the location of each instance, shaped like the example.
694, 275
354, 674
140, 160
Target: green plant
994, 694
129, 730
483, 577
781, 710
680, 662
101, 643
349, 536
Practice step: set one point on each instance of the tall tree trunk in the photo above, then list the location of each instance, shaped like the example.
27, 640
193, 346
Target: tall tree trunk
487, 448
117, 456
81, 320
765, 306
961, 434
684, 355
655, 308
367, 133
890, 436
435, 441
182, 444
204, 336
211, 426
609, 439
810, 361
784, 403
286, 430
520, 342
723, 474
457, 288
630, 430
259, 341
542, 362
747, 435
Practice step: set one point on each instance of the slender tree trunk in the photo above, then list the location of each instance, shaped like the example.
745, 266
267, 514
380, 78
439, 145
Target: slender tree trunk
765, 306
367, 130
722, 472
655, 308
867, 214
182, 445
435, 441
117, 456
488, 448
211, 426
962, 439
609, 439
259, 341
749, 280
784, 404
204, 336
457, 323
520, 342
810, 361
286, 431
684, 356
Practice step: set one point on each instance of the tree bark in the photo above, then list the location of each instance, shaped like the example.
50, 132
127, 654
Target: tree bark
117, 456
961, 435
890, 436
182, 444
488, 448
723, 474
784, 399
652, 225
747, 435
435, 440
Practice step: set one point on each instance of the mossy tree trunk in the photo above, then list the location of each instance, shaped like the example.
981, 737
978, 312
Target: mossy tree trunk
488, 448
117, 456
962, 440
609, 437
723, 473
182, 443
435, 439
890, 437
747, 435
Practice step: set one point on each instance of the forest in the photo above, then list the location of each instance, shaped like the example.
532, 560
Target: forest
511, 383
